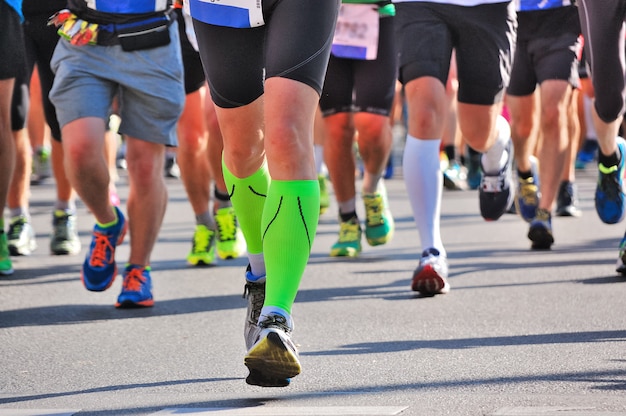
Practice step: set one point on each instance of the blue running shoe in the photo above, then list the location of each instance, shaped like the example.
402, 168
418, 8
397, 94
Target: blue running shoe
609, 196
527, 196
136, 289
99, 268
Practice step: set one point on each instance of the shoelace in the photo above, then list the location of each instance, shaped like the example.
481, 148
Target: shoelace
543, 215
226, 226
16, 228
99, 252
373, 207
61, 227
202, 240
528, 192
609, 184
134, 280
275, 321
348, 232
256, 293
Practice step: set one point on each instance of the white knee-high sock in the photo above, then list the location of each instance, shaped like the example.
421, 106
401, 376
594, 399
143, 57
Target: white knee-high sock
424, 184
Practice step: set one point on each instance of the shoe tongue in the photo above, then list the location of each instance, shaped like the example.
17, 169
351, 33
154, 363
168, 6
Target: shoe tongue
430, 251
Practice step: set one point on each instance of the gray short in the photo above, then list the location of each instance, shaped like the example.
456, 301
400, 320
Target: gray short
149, 85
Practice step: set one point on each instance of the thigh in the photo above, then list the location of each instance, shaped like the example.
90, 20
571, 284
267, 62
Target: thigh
424, 41
557, 58
78, 91
338, 86
484, 45
603, 28
375, 81
309, 26
235, 79
13, 58
523, 78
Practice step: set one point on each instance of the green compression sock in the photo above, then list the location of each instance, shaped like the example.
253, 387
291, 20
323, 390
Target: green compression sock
248, 197
289, 225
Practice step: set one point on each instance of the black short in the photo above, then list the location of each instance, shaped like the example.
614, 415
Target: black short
483, 38
354, 85
294, 43
194, 73
604, 31
542, 59
40, 41
13, 57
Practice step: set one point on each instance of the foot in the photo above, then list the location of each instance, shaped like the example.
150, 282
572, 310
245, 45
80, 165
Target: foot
273, 358
609, 196
203, 247
21, 237
540, 231
99, 269
379, 223
495, 195
430, 277
136, 288
230, 241
64, 239
349, 242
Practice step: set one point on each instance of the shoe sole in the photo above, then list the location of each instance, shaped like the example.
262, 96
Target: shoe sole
255, 378
568, 212
22, 251
343, 252
127, 304
540, 238
429, 283
271, 360
200, 263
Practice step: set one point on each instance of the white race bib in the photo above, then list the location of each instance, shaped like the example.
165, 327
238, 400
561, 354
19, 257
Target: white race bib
231, 13
356, 33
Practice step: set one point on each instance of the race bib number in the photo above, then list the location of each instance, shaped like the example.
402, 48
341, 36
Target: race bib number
356, 33
231, 13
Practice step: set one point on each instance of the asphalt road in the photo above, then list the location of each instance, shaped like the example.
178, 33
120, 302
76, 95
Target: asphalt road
520, 333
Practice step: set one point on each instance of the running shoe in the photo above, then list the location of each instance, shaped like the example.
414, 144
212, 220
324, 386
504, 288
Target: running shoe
620, 267
324, 196
136, 288
21, 237
203, 247
587, 153
349, 243
230, 241
495, 196
64, 239
99, 269
431, 276
540, 231
172, 170
527, 198
379, 224
528, 195
42, 168
567, 200
273, 358
6, 266
609, 196
254, 293
455, 177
